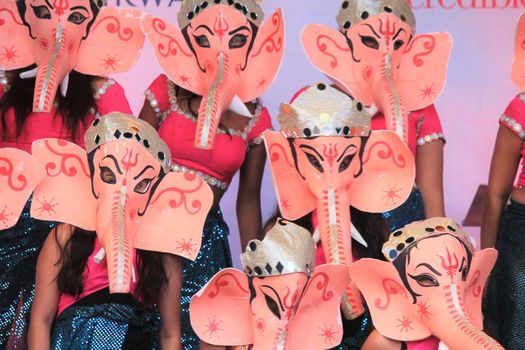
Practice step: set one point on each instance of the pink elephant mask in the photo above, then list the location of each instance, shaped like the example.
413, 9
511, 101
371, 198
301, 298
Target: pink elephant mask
518, 66
377, 58
282, 302
64, 35
432, 285
326, 158
20, 173
121, 188
223, 53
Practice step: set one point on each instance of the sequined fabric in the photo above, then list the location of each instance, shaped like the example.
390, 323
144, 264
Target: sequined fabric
355, 332
504, 301
412, 210
213, 256
103, 327
19, 249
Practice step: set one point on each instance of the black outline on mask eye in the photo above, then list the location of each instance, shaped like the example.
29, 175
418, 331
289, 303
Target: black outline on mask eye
425, 276
239, 35
198, 38
84, 18
150, 181
102, 169
38, 8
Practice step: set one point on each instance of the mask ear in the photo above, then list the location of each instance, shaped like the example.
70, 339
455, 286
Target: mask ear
19, 175
114, 43
175, 216
294, 198
220, 312
265, 58
328, 50
388, 300
518, 66
423, 70
480, 268
317, 322
64, 194
15, 48
388, 174
173, 54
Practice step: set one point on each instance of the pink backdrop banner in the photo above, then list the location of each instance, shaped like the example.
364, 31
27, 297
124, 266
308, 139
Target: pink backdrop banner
477, 91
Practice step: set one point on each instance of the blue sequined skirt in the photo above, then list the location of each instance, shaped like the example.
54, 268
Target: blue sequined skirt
214, 256
412, 210
355, 332
19, 249
504, 303
104, 327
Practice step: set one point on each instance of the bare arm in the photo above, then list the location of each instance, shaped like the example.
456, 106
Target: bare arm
249, 195
169, 302
376, 341
429, 177
503, 168
47, 294
148, 115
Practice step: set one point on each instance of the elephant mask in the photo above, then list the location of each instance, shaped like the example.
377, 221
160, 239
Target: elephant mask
121, 188
432, 285
377, 58
64, 35
280, 302
326, 159
20, 173
224, 53
518, 66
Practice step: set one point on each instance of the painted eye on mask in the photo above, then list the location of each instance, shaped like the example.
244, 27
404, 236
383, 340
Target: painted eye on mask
398, 44
464, 270
237, 41
202, 40
107, 175
346, 162
425, 280
76, 18
41, 12
370, 42
143, 186
315, 163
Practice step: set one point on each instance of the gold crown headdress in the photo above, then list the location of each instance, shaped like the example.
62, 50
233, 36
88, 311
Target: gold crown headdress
287, 248
402, 239
354, 11
192, 8
322, 110
119, 126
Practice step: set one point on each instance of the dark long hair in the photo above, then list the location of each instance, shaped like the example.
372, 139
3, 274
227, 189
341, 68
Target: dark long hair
73, 109
74, 255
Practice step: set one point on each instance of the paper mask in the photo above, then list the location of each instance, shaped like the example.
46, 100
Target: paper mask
222, 53
518, 66
432, 286
326, 158
61, 36
377, 58
121, 188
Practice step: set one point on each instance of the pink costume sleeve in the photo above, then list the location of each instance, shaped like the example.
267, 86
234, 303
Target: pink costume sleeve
263, 123
111, 98
514, 116
428, 127
158, 96
431, 343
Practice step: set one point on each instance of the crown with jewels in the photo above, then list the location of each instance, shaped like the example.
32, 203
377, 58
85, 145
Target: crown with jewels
354, 11
402, 239
287, 248
192, 8
117, 126
322, 110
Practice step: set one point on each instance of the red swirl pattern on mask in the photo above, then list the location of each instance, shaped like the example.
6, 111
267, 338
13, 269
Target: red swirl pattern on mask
320, 281
323, 47
12, 15
222, 282
276, 155
428, 45
68, 171
182, 199
385, 153
9, 171
272, 43
173, 47
390, 287
114, 27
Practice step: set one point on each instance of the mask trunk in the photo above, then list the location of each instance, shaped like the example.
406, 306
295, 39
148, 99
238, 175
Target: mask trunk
212, 106
333, 213
388, 100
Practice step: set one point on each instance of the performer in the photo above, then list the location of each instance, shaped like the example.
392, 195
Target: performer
503, 222
431, 289
102, 276
56, 46
377, 58
222, 56
326, 159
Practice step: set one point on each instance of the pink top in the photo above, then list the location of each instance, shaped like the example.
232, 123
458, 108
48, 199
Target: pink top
514, 119
95, 278
218, 165
431, 343
109, 97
